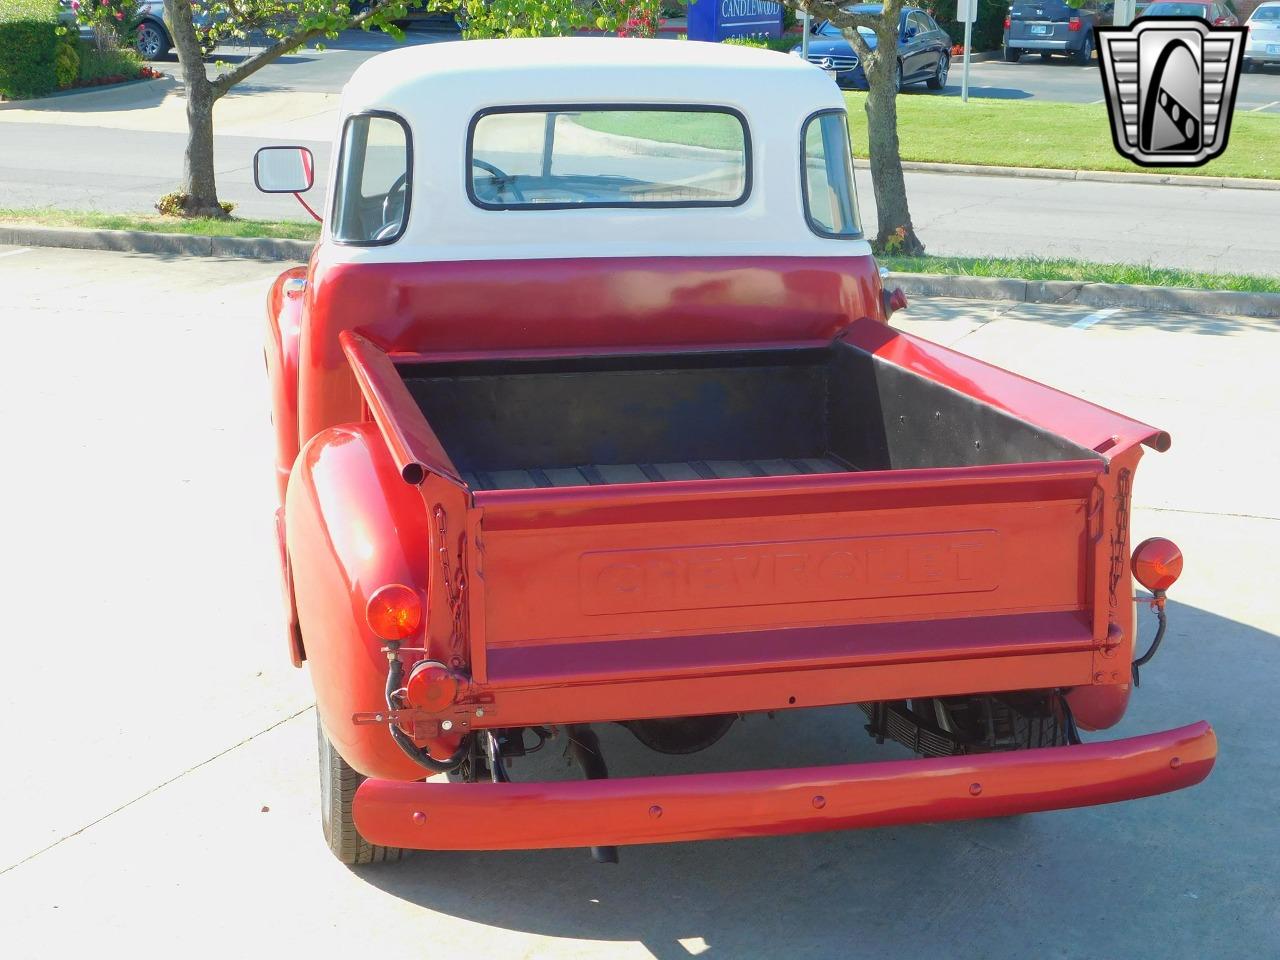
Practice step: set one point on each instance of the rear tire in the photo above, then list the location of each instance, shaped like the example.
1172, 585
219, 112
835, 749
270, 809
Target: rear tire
151, 41
1012, 56
1084, 56
338, 783
939, 80
1045, 56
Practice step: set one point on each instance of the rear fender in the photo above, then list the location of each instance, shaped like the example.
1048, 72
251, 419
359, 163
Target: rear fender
284, 328
353, 525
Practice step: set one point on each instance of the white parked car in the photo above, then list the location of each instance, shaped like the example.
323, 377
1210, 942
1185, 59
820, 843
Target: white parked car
1262, 44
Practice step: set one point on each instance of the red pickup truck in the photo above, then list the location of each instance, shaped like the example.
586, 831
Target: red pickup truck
588, 411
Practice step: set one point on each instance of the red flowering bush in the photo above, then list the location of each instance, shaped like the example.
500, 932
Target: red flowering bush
110, 20
641, 19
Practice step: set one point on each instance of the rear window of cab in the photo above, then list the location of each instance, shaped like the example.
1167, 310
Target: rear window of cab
562, 157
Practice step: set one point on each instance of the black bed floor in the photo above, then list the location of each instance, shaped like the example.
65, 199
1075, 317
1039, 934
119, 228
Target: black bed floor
605, 473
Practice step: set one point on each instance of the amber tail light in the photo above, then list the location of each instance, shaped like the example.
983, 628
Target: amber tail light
394, 612
1157, 564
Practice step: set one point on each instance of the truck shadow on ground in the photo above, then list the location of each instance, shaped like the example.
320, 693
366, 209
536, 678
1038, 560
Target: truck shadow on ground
956, 889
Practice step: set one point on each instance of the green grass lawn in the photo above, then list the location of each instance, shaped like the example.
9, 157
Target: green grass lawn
278, 229
1033, 268
1025, 268
1034, 133
1012, 133
719, 131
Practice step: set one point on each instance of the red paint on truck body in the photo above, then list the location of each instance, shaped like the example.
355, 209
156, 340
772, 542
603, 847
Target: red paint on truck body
775, 592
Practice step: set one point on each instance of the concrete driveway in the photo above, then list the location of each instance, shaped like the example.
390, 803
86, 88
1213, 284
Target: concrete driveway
160, 795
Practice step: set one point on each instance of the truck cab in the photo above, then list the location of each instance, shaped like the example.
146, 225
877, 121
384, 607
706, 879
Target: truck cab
589, 410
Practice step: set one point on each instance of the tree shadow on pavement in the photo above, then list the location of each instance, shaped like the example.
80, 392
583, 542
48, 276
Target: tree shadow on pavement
981, 93
1187, 870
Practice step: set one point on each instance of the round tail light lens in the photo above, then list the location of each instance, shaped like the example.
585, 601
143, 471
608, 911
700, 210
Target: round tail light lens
431, 686
1157, 564
394, 612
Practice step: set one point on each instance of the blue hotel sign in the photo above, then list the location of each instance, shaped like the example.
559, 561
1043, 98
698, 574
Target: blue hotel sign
717, 19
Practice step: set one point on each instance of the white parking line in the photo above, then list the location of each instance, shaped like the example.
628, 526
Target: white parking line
14, 253
1085, 323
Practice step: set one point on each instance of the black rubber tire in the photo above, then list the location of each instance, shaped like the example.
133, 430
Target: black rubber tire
338, 783
939, 80
897, 77
1012, 56
1045, 56
1084, 56
151, 40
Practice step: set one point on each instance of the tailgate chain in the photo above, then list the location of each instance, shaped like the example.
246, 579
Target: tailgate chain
455, 585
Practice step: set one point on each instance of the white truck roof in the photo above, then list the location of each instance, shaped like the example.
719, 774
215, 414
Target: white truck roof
439, 88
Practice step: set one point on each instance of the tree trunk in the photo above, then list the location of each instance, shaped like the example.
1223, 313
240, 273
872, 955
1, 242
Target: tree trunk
199, 182
895, 233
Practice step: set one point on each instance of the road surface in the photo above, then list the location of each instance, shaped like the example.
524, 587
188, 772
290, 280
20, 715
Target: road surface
160, 785
1029, 79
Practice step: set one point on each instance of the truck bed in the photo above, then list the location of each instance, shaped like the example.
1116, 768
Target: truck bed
589, 421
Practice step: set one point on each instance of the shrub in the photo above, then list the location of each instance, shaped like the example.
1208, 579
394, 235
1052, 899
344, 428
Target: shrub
66, 62
99, 66
112, 21
28, 47
175, 205
988, 29
781, 44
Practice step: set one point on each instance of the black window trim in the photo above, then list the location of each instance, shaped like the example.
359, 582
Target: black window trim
804, 178
748, 180
408, 181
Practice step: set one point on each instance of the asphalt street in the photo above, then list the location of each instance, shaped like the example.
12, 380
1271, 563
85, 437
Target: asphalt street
161, 790
1029, 79
118, 150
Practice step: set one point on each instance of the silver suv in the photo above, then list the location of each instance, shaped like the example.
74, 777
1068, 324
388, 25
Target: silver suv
153, 38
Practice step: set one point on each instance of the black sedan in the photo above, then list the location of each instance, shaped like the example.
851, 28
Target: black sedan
924, 50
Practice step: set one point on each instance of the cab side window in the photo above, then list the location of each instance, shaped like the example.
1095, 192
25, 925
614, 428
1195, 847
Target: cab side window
371, 205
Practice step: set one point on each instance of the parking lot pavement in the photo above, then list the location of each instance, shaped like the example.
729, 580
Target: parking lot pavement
1062, 81
160, 780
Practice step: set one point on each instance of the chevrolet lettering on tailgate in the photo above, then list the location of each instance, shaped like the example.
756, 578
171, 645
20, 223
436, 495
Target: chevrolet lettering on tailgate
756, 574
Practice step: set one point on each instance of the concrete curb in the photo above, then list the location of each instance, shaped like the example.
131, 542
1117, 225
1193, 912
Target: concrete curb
1222, 303
84, 92
1097, 176
1156, 299
164, 244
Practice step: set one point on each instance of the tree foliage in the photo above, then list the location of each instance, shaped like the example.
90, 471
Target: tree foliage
197, 26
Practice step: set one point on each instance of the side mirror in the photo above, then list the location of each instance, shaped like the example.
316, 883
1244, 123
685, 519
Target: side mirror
284, 170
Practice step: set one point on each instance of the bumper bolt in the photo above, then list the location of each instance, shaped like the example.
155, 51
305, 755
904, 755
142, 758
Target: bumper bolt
819, 802
655, 811
975, 789
446, 725
1175, 763
419, 817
